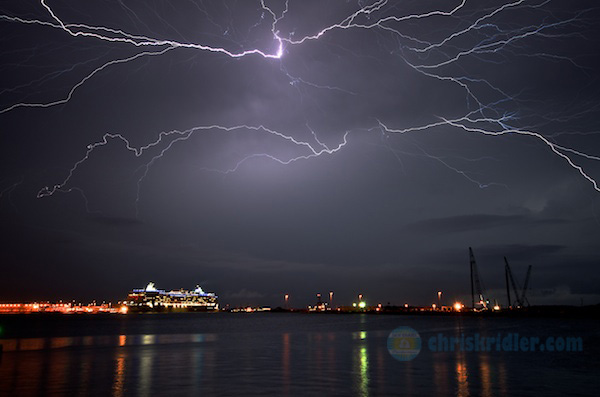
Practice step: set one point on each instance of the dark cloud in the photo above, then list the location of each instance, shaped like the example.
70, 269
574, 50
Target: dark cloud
522, 252
115, 221
391, 214
465, 223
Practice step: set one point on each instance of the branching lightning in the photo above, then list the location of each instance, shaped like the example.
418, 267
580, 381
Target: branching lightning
178, 136
8, 190
473, 34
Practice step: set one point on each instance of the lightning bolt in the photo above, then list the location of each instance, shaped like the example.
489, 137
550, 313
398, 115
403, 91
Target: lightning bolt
178, 136
7, 191
480, 34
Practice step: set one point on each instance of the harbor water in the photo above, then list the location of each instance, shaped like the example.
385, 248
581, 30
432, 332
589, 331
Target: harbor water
290, 354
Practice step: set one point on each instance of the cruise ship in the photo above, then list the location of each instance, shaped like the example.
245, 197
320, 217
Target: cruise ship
151, 299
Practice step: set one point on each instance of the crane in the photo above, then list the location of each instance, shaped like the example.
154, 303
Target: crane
521, 298
524, 300
475, 283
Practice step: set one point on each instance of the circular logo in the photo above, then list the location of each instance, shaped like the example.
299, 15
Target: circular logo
404, 343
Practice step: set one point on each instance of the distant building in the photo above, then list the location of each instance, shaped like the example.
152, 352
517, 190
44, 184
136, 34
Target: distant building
320, 306
152, 299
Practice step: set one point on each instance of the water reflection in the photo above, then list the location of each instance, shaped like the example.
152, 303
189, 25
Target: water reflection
197, 358
331, 360
84, 374
145, 372
285, 364
476, 373
148, 339
276, 363
119, 383
361, 365
122, 365
462, 375
35, 370
440, 377
485, 375
364, 371
502, 378
378, 378
29, 344
58, 343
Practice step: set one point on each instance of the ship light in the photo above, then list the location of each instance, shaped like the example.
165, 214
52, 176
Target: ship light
199, 290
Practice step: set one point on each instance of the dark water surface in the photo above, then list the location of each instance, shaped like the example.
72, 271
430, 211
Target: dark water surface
283, 354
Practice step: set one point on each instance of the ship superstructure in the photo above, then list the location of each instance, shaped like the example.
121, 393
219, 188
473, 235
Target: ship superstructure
153, 299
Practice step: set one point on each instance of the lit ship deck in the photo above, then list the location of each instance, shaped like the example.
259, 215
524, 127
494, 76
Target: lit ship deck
151, 299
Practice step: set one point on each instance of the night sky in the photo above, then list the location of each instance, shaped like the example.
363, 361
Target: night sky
365, 159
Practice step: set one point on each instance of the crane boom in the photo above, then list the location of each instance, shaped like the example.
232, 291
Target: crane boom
475, 283
507, 285
523, 294
513, 282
